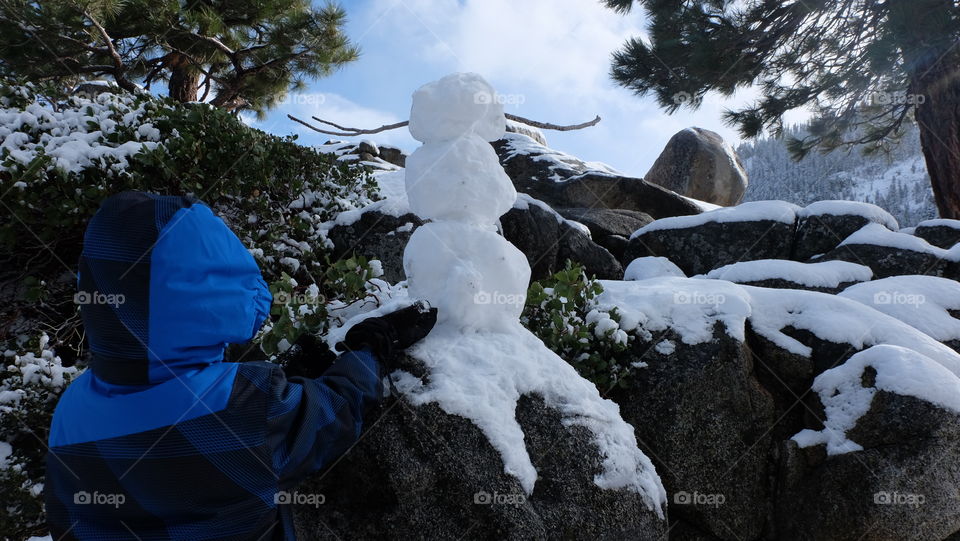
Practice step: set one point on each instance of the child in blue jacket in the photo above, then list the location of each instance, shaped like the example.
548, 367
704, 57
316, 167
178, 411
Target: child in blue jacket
161, 439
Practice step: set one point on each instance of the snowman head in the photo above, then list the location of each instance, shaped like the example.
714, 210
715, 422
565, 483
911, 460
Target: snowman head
456, 105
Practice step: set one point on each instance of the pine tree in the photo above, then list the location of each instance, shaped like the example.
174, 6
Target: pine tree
863, 66
236, 54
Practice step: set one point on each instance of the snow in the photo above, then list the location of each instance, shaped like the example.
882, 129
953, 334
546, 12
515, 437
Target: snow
690, 307
524, 201
898, 370
643, 268
839, 320
475, 278
518, 144
5, 451
775, 211
482, 375
666, 347
851, 208
940, 222
919, 301
455, 105
480, 357
76, 137
458, 179
878, 235
703, 205
826, 274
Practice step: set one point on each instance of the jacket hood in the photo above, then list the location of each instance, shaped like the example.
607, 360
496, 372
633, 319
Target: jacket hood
164, 285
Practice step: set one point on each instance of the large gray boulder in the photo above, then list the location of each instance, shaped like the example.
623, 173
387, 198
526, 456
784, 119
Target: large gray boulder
549, 240
823, 225
698, 163
942, 233
420, 473
902, 480
699, 244
563, 181
544, 236
610, 228
376, 235
704, 420
891, 253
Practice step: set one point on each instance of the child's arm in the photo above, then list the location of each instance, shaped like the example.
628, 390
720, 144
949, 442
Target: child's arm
314, 421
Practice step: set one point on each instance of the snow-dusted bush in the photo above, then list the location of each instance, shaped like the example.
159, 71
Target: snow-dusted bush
561, 310
31, 380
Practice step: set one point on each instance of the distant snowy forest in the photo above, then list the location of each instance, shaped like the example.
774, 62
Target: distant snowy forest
896, 181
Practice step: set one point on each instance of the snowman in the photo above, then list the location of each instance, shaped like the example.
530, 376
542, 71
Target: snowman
458, 262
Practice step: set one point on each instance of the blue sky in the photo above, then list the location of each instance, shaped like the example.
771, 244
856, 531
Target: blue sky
550, 60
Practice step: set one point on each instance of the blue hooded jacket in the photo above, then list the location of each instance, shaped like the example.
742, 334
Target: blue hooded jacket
160, 439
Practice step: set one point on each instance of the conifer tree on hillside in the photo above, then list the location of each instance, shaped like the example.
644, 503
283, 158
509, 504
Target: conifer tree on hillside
864, 67
236, 54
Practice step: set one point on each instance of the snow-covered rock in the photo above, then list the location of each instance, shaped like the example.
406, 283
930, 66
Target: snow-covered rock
698, 244
564, 181
610, 228
884, 464
643, 268
891, 253
927, 303
698, 163
942, 233
823, 225
421, 471
548, 240
828, 276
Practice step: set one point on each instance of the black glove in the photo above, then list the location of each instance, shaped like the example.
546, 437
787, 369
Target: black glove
308, 357
388, 334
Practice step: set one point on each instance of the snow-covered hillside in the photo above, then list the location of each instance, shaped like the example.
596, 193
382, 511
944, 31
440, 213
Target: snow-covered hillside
897, 181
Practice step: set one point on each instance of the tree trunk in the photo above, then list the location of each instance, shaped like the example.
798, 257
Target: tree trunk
939, 120
925, 32
184, 78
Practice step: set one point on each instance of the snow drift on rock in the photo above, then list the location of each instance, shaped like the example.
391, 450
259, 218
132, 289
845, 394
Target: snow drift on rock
923, 302
774, 211
899, 370
825, 274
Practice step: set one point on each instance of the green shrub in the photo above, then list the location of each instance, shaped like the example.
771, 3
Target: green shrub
30, 384
562, 311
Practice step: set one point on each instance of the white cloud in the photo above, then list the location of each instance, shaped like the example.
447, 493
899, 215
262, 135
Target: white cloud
551, 56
